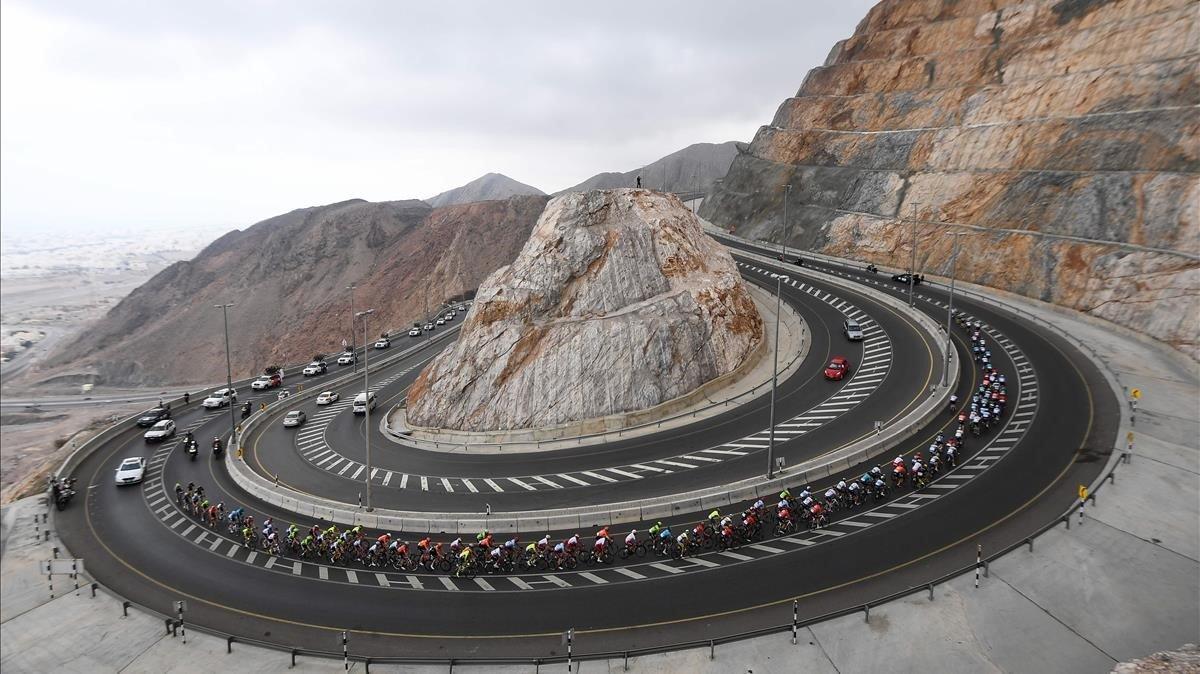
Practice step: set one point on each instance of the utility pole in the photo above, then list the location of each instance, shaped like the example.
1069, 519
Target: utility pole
229, 375
367, 402
787, 189
779, 279
912, 267
354, 360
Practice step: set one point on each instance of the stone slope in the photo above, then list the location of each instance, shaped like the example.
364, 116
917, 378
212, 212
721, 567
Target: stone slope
694, 167
618, 302
287, 277
1063, 132
489, 187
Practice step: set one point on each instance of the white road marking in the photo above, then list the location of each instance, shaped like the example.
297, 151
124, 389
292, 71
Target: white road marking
593, 577
520, 484
573, 479
493, 485
605, 478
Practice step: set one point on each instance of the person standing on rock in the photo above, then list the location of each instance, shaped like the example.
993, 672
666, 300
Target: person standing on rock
639, 182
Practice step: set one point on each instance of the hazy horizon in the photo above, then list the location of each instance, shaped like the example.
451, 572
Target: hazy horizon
129, 119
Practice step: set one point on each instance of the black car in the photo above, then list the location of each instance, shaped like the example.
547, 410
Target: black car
153, 416
903, 278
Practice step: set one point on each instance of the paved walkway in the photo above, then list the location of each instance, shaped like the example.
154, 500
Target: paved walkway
1124, 584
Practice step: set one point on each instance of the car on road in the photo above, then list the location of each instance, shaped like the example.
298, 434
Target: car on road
837, 369
383, 343
852, 330
131, 470
429, 327
903, 278
450, 316
314, 368
266, 381
160, 431
220, 398
294, 418
327, 397
362, 402
441, 320
414, 332
346, 358
151, 417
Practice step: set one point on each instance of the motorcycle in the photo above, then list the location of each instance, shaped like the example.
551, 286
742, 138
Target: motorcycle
873, 269
63, 492
245, 410
192, 450
217, 448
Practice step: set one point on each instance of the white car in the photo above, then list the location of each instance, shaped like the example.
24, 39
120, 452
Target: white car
383, 343
327, 397
294, 418
429, 327
314, 368
414, 332
131, 470
441, 321
449, 316
220, 398
346, 359
160, 431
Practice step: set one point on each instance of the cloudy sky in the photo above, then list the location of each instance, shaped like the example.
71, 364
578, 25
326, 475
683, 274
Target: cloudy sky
127, 116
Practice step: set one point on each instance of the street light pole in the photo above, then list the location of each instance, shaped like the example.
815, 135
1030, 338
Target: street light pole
912, 267
787, 189
367, 402
354, 359
779, 279
950, 306
228, 373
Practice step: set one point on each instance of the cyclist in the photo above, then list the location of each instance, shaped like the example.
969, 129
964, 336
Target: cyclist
631, 539
178, 493
573, 543
544, 543
455, 546
714, 517
683, 542
656, 528
785, 495
603, 533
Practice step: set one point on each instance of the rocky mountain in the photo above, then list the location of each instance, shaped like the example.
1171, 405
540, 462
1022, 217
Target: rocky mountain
287, 278
1061, 134
484, 188
694, 167
617, 302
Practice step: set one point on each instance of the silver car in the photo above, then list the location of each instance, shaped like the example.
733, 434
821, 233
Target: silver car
853, 330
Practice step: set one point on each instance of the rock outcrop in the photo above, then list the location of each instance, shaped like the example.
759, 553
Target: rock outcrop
618, 302
287, 277
1063, 133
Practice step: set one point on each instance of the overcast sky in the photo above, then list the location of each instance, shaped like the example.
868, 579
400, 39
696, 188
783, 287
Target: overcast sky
126, 116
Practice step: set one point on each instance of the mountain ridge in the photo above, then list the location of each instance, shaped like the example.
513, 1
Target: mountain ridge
487, 187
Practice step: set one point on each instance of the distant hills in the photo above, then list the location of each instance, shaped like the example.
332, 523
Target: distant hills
489, 187
693, 167
287, 277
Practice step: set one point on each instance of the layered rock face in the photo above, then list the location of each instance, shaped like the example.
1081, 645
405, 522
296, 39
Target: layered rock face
1063, 133
618, 302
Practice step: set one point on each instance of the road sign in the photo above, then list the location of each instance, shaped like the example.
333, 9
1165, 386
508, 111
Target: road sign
1083, 493
1136, 393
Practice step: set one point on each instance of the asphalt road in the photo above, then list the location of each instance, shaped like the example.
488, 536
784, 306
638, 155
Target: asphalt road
413, 479
137, 550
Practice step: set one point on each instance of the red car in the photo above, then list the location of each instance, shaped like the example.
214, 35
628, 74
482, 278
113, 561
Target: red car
837, 368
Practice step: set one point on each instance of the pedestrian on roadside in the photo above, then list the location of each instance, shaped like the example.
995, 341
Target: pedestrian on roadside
187, 397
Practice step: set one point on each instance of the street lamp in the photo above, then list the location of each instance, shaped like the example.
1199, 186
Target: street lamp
950, 304
787, 189
912, 267
779, 279
367, 402
354, 357
228, 372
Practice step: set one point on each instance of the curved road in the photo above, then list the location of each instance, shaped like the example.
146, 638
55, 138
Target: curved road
1017, 482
